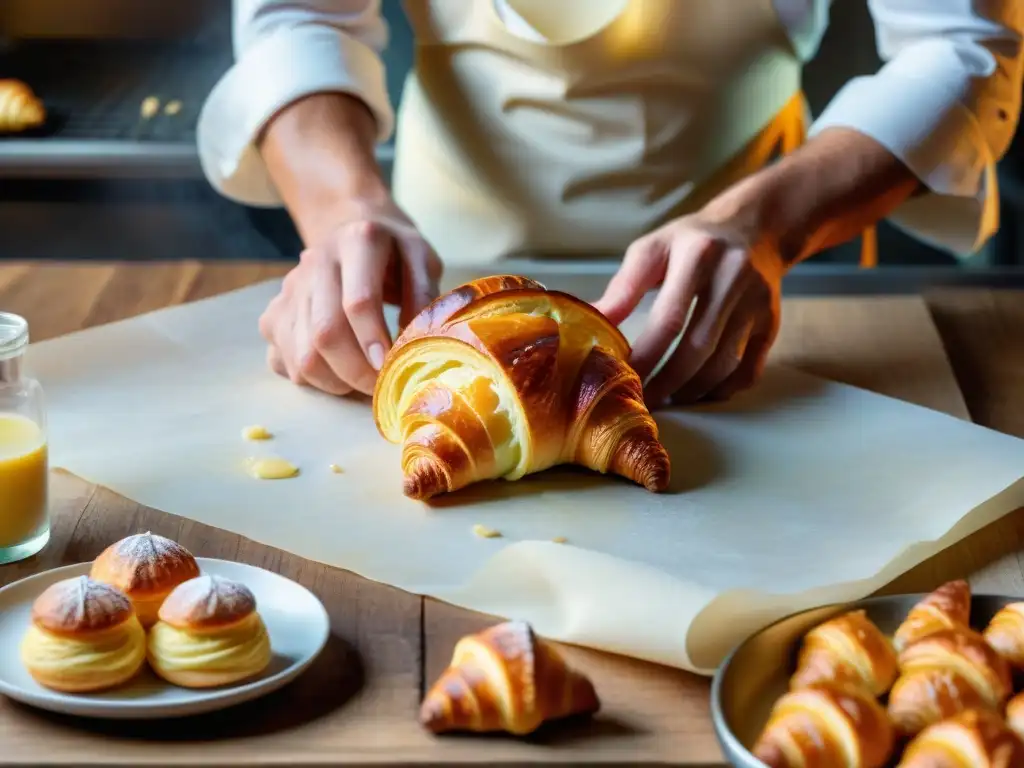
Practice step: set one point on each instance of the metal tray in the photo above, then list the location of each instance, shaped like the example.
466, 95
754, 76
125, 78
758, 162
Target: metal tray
756, 674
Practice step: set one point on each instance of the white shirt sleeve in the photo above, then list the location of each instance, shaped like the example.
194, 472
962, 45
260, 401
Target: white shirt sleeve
284, 50
946, 103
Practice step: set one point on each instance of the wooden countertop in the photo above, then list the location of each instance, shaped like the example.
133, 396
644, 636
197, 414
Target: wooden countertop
961, 352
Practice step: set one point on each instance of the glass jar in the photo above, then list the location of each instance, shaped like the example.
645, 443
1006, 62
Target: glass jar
24, 461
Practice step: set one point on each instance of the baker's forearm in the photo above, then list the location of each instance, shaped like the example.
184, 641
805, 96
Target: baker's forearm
319, 152
825, 193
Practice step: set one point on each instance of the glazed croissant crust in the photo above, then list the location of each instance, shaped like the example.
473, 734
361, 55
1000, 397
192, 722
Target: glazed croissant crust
972, 739
826, 725
501, 378
948, 607
20, 109
505, 679
1005, 633
848, 649
944, 674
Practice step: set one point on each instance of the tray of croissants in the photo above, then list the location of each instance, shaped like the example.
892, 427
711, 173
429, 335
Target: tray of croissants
921, 681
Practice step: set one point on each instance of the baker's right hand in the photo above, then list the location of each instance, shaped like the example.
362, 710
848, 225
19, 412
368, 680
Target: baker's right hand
326, 327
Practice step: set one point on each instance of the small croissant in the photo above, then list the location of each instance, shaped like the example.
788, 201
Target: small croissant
1005, 633
20, 109
826, 725
972, 739
944, 674
847, 649
1015, 714
948, 607
505, 679
501, 378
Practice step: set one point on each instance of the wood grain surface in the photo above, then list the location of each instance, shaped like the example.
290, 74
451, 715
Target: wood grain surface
358, 705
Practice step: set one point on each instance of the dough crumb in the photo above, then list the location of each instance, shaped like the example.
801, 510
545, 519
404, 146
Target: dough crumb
559, 540
336, 469
173, 107
486, 533
150, 106
256, 432
272, 468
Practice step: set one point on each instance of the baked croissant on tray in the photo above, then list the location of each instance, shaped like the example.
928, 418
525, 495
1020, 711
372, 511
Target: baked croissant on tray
972, 739
20, 109
500, 378
848, 649
505, 678
948, 607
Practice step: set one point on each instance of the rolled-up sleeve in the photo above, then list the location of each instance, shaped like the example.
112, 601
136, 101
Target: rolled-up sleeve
946, 102
284, 50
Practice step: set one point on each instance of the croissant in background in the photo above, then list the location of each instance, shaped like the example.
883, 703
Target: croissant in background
848, 649
944, 674
973, 739
1015, 714
1005, 633
505, 679
20, 109
501, 378
948, 607
826, 725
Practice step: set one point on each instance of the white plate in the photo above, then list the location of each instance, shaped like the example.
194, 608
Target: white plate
296, 621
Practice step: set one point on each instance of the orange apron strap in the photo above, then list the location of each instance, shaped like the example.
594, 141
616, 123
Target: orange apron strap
793, 119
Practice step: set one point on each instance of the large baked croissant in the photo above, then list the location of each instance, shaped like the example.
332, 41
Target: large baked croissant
824, 726
500, 378
847, 649
948, 607
1005, 633
973, 739
946, 673
506, 679
20, 109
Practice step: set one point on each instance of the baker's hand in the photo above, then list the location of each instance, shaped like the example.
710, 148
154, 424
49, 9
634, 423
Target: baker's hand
326, 327
733, 284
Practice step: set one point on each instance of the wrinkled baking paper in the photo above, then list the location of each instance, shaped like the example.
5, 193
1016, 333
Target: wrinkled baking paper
798, 493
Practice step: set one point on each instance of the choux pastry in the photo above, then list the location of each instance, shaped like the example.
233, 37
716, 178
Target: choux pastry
209, 633
146, 568
84, 636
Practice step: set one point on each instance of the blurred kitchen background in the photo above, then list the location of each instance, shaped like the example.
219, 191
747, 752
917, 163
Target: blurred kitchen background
101, 181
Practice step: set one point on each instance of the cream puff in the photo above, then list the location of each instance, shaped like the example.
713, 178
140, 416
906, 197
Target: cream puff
146, 568
84, 636
209, 633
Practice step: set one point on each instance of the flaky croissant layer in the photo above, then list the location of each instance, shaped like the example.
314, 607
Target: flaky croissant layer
501, 378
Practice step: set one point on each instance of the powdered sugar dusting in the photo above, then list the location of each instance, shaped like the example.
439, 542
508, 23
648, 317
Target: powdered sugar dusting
208, 599
80, 604
146, 559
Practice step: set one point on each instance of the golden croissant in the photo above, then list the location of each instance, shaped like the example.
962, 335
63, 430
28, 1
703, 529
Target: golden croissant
20, 109
1015, 714
948, 607
972, 739
505, 679
944, 674
501, 378
847, 649
826, 725
1005, 633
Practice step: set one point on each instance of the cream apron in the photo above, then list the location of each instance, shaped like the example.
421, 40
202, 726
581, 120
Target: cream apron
632, 112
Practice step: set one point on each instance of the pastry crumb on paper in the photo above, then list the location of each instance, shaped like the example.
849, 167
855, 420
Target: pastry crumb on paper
559, 540
173, 107
335, 469
256, 432
149, 107
272, 468
486, 533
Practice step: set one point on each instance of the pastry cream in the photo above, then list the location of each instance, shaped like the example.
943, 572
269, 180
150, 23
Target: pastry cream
256, 432
89, 661
23, 478
272, 468
223, 655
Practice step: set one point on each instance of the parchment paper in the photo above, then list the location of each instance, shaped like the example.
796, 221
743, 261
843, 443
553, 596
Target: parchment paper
800, 492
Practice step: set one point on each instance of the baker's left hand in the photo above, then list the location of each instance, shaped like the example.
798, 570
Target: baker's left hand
733, 281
